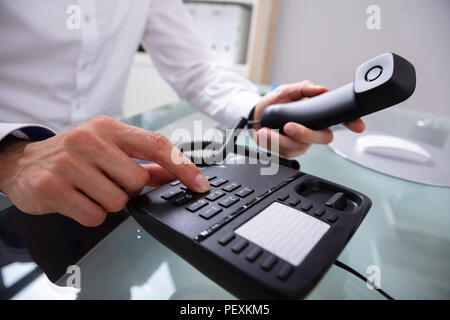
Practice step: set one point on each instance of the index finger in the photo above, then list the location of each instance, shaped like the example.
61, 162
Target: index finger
305, 135
356, 125
152, 146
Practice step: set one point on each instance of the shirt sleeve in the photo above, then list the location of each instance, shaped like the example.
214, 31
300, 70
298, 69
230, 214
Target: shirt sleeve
25, 131
183, 60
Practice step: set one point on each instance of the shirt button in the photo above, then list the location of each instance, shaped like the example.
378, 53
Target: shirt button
84, 66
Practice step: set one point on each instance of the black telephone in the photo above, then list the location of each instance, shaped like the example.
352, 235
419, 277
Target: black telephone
273, 236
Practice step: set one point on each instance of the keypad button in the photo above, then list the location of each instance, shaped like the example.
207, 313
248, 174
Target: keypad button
171, 194
269, 263
210, 177
244, 192
241, 245
175, 183
231, 187
185, 198
283, 197
211, 212
332, 217
285, 272
254, 254
226, 239
197, 206
228, 202
337, 201
306, 205
295, 202
215, 195
320, 211
218, 182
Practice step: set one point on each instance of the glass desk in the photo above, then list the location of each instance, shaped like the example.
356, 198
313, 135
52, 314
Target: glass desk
405, 235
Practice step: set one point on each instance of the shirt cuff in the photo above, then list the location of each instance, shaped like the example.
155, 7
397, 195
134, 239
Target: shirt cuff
31, 132
240, 106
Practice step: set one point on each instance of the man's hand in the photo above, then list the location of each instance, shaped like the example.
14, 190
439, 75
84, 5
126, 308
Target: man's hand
88, 171
298, 138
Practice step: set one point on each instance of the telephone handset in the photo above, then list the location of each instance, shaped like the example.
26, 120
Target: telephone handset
379, 83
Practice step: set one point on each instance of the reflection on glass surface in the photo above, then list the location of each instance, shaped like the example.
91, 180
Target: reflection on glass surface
405, 234
15, 271
159, 286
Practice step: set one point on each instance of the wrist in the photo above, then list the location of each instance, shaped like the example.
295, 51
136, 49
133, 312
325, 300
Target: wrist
11, 150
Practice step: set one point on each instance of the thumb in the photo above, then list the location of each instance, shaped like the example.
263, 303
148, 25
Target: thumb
313, 90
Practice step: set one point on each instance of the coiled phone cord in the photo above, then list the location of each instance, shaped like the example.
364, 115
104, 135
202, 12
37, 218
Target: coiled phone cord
226, 147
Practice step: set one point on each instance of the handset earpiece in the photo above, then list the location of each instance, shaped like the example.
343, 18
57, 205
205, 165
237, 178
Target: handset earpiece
379, 83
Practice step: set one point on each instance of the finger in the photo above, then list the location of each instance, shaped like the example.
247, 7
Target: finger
288, 93
305, 135
289, 154
357, 125
313, 90
158, 176
122, 170
75, 205
146, 145
98, 187
286, 146
302, 89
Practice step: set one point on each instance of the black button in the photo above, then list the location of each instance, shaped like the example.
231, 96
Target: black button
183, 199
269, 263
283, 197
254, 254
244, 192
337, 201
374, 73
285, 272
319, 211
228, 202
171, 194
306, 206
238, 247
231, 187
218, 182
226, 239
197, 206
211, 212
183, 187
215, 195
295, 202
332, 217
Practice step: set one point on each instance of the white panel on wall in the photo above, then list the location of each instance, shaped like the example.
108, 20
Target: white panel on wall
225, 28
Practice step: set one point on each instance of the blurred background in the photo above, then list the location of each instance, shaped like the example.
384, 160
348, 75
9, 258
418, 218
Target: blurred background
282, 41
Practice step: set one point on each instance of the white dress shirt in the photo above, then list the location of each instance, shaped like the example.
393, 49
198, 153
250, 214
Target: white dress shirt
57, 70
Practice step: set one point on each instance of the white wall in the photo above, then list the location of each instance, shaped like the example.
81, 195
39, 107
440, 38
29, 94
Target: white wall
325, 40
